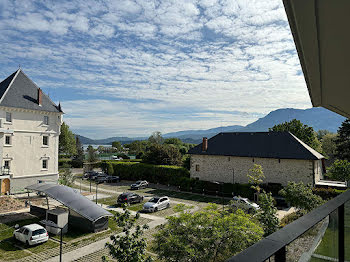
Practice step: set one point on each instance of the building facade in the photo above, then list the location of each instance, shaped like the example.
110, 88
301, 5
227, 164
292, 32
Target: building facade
29, 134
228, 157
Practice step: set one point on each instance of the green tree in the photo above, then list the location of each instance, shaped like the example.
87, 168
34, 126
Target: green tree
267, 214
301, 196
256, 177
329, 146
343, 141
321, 133
117, 145
303, 132
173, 141
130, 246
339, 170
92, 157
66, 141
162, 155
137, 147
66, 178
101, 149
207, 235
110, 170
156, 138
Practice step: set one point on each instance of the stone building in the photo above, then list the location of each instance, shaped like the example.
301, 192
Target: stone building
29, 130
227, 157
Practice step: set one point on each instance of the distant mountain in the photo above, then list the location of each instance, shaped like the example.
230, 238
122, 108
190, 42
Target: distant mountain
318, 118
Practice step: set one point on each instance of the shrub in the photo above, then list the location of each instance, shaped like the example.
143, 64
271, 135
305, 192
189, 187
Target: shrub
290, 218
64, 162
339, 170
327, 193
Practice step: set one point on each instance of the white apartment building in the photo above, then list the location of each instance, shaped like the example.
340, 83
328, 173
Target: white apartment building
29, 134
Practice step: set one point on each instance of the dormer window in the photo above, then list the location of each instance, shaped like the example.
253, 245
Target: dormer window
46, 120
8, 117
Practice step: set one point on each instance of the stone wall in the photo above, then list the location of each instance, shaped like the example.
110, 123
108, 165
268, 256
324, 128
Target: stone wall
230, 169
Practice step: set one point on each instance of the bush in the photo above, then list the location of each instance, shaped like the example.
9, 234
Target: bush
339, 170
290, 218
64, 162
327, 193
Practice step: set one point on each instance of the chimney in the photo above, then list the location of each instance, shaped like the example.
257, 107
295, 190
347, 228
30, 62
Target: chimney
40, 96
205, 144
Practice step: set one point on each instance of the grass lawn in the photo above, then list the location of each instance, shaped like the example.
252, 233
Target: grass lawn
11, 249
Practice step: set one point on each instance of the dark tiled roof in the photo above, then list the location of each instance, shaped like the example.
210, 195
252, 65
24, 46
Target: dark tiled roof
23, 93
281, 145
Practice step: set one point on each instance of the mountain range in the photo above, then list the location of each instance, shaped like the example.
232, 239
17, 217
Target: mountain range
318, 118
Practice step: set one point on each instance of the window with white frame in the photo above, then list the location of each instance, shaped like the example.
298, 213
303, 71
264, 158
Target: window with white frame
44, 163
7, 164
8, 140
45, 140
46, 120
8, 117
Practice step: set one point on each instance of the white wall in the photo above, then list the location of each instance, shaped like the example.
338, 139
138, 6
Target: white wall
27, 150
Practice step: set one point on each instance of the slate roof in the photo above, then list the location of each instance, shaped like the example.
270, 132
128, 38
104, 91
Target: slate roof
19, 91
280, 145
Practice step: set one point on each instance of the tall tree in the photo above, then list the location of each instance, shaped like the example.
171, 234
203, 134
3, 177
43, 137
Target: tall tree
131, 246
136, 147
92, 157
208, 235
163, 155
343, 141
66, 141
156, 138
329, 146
117, 145
339, 170
304, 132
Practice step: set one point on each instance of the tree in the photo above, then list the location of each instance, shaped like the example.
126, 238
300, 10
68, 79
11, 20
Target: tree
91, 154
162, 155
267, 213
343, 141
303, 132
110, 169
340, 170
66, 141
156, 138
66, 178
321, 133
117, 145
329, 146
207, 235
101, 149
130, 246
137, 147
301, 196
173, 141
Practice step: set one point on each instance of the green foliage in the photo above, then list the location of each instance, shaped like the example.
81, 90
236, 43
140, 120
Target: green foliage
343, 141
64, 162
117, 145
304, 132
301, 196
329, 146
79, 156
156, 138
92, 157
66, 178
186, 163
267, 213
137, 147
207, 235
162, 155
66, 141
110, 170
255, 177
290, 218
339, 170
321, 133
327, 193
131, 246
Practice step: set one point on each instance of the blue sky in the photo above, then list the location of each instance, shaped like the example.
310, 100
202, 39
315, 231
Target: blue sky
128, 68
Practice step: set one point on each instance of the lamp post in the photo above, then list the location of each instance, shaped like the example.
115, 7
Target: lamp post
96, 191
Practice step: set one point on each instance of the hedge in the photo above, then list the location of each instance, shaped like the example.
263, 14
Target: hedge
327, 193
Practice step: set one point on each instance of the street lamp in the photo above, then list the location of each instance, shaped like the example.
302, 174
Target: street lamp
52, 224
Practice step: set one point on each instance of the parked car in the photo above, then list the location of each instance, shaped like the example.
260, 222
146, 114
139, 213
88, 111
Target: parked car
31, 234
139, 184
109, 179
245, 204
156, 203
129, 198
97, 175
90, 174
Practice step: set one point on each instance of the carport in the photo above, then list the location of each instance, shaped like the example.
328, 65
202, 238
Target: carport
83, 213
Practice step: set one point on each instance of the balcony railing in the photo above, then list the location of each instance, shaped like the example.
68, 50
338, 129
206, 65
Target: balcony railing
4, 171
332, 231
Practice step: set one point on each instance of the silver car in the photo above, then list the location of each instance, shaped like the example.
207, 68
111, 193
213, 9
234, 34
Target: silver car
245, 204
156, 203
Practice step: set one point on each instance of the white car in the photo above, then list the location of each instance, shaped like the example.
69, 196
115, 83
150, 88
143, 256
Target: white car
245, 204
156, 203
31, 234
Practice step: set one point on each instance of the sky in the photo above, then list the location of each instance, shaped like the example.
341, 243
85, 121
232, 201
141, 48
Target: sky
128, 68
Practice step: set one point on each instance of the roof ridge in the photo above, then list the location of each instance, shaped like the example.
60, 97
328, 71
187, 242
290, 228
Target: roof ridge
307, 147
10, 84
